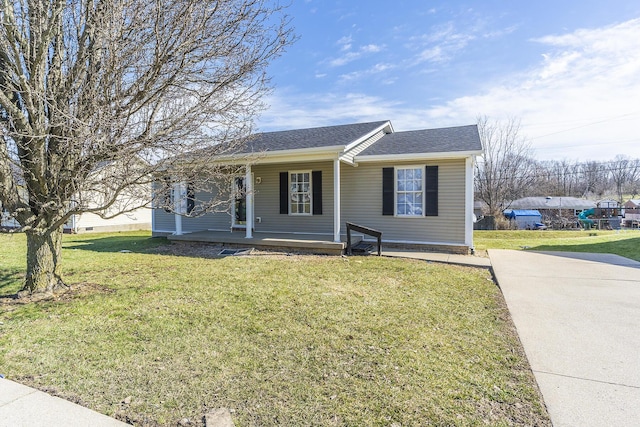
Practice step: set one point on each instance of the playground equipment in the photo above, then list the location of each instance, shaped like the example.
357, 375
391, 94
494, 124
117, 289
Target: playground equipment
583, 217
601, 218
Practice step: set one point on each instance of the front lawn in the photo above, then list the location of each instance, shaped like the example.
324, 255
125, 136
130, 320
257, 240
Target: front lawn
153, 336
625, 243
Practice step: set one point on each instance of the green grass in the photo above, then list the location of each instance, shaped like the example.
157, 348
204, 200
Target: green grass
298, 340
625, 243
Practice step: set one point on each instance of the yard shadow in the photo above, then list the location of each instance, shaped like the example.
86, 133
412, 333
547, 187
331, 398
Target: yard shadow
10, 282
117, 244
628, 248
145, 245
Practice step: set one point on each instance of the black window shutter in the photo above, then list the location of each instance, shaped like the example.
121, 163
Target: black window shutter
387, 191
431, 191
191, 198
284, 193
316, 188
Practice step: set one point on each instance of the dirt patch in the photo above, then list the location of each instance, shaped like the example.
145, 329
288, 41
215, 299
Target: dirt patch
66, 293
212, 251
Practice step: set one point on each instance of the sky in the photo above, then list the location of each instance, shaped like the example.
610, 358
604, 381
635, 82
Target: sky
568, 70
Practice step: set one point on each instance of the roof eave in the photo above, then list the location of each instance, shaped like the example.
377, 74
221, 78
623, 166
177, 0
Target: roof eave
316, 153
417, 156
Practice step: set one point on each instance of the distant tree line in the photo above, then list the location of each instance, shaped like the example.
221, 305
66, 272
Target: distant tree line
508, 171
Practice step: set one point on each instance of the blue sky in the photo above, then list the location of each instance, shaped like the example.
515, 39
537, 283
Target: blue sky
569, 70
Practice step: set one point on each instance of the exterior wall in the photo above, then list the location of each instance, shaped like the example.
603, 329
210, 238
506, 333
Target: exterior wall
6, 221
362, 204
267, 200
266, 205
140, 219
164, 222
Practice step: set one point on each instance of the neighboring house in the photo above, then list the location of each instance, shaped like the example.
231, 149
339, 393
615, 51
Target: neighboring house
524, 219
632, 204
415, 187
549, 206
6, 221
133, 219
139, 219
632, 213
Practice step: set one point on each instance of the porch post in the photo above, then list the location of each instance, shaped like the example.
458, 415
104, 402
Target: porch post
249, 197
179, 190
336, 200
468, 211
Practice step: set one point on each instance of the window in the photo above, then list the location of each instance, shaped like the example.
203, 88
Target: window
409, 191
300, 193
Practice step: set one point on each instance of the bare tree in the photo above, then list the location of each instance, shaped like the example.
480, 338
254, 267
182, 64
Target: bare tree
594, 178
620, 170
93, 93
506, 169
632, 187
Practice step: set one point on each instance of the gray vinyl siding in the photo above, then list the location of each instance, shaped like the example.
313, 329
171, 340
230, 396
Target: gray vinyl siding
348, 156
362, 203
165, 221
267, 200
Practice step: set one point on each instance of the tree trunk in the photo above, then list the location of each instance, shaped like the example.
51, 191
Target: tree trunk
43, 261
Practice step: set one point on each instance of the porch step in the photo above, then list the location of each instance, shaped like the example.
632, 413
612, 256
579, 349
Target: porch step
362, 248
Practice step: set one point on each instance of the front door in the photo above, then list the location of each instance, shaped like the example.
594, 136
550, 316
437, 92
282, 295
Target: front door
239, 216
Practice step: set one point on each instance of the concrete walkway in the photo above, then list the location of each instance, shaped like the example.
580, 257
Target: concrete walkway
468, 260
578, 317
22, 406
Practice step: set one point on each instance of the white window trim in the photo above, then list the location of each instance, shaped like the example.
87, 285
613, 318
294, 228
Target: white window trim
395, 190
310, 193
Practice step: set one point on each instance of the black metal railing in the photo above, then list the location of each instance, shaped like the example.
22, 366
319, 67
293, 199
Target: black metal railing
364, 230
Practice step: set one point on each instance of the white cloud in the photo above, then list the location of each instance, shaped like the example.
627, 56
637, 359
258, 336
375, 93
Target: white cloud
346, 44
440, 45
375, 69
581, 101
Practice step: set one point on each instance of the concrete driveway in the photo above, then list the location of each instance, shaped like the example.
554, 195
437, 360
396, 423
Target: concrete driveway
578, 317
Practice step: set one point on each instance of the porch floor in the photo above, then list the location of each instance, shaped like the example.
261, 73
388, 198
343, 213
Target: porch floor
296, 242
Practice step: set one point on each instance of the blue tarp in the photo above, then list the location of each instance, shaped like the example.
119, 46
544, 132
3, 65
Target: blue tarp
514, 213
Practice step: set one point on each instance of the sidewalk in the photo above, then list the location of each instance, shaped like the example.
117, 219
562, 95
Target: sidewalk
468, 260
22, 406
578, 318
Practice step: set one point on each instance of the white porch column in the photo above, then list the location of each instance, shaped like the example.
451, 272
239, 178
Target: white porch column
468, 205
179, 204
336, 200
249, 197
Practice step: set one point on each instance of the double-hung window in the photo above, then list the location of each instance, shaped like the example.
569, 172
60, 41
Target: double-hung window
409, 191
300, 194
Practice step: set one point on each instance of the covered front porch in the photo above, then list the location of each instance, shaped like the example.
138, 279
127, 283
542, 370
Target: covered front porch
308, 243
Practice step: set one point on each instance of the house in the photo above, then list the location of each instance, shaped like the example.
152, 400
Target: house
303, 185
632, 213
524, 219
554, 206
134, 216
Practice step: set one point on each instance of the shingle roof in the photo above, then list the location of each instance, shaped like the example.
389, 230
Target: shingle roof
310, 138
459, 138
552, 203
